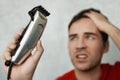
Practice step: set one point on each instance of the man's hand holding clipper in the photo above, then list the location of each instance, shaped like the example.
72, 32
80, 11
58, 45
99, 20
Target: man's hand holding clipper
25, 70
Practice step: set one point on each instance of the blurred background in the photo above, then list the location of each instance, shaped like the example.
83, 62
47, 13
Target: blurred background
55, 60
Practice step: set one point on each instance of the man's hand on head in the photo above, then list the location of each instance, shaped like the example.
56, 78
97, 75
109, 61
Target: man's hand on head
99, 19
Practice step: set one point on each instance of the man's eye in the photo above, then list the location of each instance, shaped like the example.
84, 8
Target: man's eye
90, 37
72, 38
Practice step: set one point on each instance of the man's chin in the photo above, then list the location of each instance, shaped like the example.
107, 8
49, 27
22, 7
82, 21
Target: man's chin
83, 68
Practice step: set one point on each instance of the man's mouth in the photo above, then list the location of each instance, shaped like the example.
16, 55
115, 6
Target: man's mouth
81, 57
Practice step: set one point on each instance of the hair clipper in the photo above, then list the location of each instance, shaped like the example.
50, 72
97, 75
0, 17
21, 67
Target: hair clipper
30, 35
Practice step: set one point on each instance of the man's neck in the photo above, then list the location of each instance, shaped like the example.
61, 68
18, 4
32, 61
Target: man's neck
93, 74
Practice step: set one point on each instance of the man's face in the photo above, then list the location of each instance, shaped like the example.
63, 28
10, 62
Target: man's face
85, 45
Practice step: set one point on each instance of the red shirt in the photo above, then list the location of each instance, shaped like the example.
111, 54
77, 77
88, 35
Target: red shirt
109, 72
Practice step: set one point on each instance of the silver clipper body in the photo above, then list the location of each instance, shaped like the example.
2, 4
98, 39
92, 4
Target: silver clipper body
31, 34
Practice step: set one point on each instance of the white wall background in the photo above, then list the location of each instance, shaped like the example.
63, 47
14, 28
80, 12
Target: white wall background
55, 60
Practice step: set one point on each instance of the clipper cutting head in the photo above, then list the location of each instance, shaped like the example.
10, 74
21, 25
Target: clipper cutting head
38, 8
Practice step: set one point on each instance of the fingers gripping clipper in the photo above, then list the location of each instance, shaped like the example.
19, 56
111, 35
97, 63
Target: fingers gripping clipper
30, 36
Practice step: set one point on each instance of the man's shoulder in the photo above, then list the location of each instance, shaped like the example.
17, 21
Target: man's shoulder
68, 76
110, 65
110, 72
111, 68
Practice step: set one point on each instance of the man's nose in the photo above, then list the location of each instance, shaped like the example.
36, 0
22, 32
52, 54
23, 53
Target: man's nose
81, 43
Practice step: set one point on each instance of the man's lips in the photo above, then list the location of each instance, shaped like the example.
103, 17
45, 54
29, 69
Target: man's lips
82, 57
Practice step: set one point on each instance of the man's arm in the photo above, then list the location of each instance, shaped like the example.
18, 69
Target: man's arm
114, 33
104, 25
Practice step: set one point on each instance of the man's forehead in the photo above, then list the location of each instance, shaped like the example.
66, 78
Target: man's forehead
83, 24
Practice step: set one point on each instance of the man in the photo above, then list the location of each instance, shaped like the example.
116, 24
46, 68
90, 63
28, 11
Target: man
88, 41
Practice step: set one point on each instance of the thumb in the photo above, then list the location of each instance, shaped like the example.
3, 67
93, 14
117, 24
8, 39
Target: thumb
38, 53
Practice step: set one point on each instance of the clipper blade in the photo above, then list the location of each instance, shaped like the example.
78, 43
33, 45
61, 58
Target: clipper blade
38, 8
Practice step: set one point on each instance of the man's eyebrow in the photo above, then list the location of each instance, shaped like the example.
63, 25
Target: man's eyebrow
72, 35
90, 33
86, 33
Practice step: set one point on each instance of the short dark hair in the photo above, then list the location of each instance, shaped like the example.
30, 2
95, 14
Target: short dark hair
81, 15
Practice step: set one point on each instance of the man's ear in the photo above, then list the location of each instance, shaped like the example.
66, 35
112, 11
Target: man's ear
106, 47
